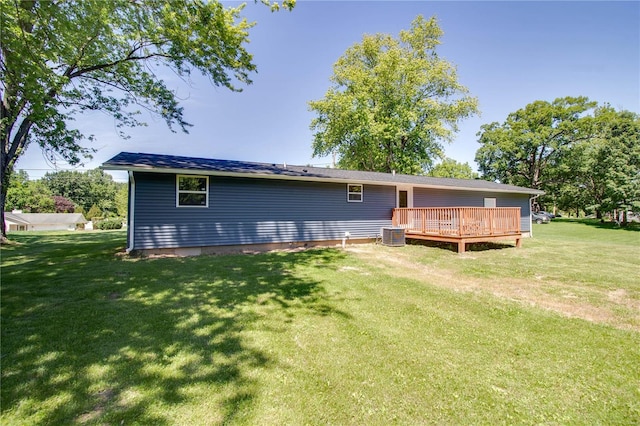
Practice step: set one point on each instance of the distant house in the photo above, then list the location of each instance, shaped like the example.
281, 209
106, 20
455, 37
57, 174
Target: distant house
18, 221
195, 205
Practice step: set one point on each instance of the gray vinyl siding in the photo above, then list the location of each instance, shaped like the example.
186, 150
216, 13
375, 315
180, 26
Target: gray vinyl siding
255, 211
425, 197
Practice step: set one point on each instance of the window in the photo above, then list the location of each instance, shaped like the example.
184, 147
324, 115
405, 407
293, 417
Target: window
490, 202
354, 193
192, 191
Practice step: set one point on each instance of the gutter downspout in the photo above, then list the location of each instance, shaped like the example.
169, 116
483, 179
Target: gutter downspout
131, 212
530, 219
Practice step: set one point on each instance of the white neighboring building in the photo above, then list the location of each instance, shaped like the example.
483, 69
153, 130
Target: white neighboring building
17, 221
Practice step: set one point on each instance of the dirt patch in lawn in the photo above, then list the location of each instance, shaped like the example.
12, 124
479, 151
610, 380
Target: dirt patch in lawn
102, 399
588, 303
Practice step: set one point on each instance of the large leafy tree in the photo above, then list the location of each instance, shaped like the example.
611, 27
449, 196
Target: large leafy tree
30, 196
532, 141
584, 156
392, 103
618, 159
603, 174
85, 189
450, 168
59, 58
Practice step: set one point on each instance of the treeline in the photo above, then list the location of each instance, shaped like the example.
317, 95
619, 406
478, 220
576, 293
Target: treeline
93, 193
585, 156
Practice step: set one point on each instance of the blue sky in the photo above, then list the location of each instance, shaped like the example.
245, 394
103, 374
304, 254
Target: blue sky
508, 54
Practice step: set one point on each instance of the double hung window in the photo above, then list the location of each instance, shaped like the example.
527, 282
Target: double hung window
192, 191
354, 193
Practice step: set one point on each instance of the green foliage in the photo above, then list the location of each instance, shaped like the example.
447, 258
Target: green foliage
522, 150
28, 195
108, 224
62, 58
93, 187
450, 168
610, 175
585, 157
122, 199
391, 103
94, 212
18, 194
73, 190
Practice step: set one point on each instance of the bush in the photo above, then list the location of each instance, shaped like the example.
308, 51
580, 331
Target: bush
94, 211
108, 224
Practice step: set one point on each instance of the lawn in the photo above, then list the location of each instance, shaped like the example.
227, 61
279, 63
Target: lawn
373, 335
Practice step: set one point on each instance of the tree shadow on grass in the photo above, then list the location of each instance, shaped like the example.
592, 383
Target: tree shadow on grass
88, 337
597, 223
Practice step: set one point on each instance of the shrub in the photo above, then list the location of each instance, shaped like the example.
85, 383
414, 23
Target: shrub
109, 224
94, 211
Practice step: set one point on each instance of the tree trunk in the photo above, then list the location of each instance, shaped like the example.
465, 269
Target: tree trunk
5, 173
3, 197
11, 150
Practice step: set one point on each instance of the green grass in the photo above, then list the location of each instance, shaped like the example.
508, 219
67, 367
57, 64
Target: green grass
370, 335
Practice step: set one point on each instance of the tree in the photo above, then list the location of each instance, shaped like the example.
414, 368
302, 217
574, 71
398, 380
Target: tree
61, 58
618, 160
391, 104
63, 204
585, 157
122, 199
19, 193
532, 140
28, 195
84, 188
93, 213
450, 168
603, 174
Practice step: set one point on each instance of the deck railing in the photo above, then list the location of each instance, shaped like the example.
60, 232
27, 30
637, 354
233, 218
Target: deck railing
459, 221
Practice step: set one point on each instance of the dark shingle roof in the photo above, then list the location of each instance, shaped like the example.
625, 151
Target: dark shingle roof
171, 163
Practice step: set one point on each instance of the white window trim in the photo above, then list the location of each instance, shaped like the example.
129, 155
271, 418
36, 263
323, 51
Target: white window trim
361, 193
178, 191
409, 190
490, 202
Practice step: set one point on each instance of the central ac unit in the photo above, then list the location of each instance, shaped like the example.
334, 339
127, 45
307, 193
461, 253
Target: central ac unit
393, 237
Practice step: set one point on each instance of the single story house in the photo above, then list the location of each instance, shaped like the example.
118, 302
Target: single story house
188, 205
18, 221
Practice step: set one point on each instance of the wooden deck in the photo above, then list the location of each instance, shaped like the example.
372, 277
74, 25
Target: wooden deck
460, 225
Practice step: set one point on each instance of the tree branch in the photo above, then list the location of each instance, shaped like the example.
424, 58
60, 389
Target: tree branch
128, 58
19, 141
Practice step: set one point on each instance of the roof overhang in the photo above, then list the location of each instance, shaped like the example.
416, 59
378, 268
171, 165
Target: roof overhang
314, 178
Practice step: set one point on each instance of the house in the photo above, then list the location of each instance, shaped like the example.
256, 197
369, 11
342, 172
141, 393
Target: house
190, 205
18, 221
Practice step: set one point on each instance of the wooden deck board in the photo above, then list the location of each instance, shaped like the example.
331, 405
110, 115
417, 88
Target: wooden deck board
460, 225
